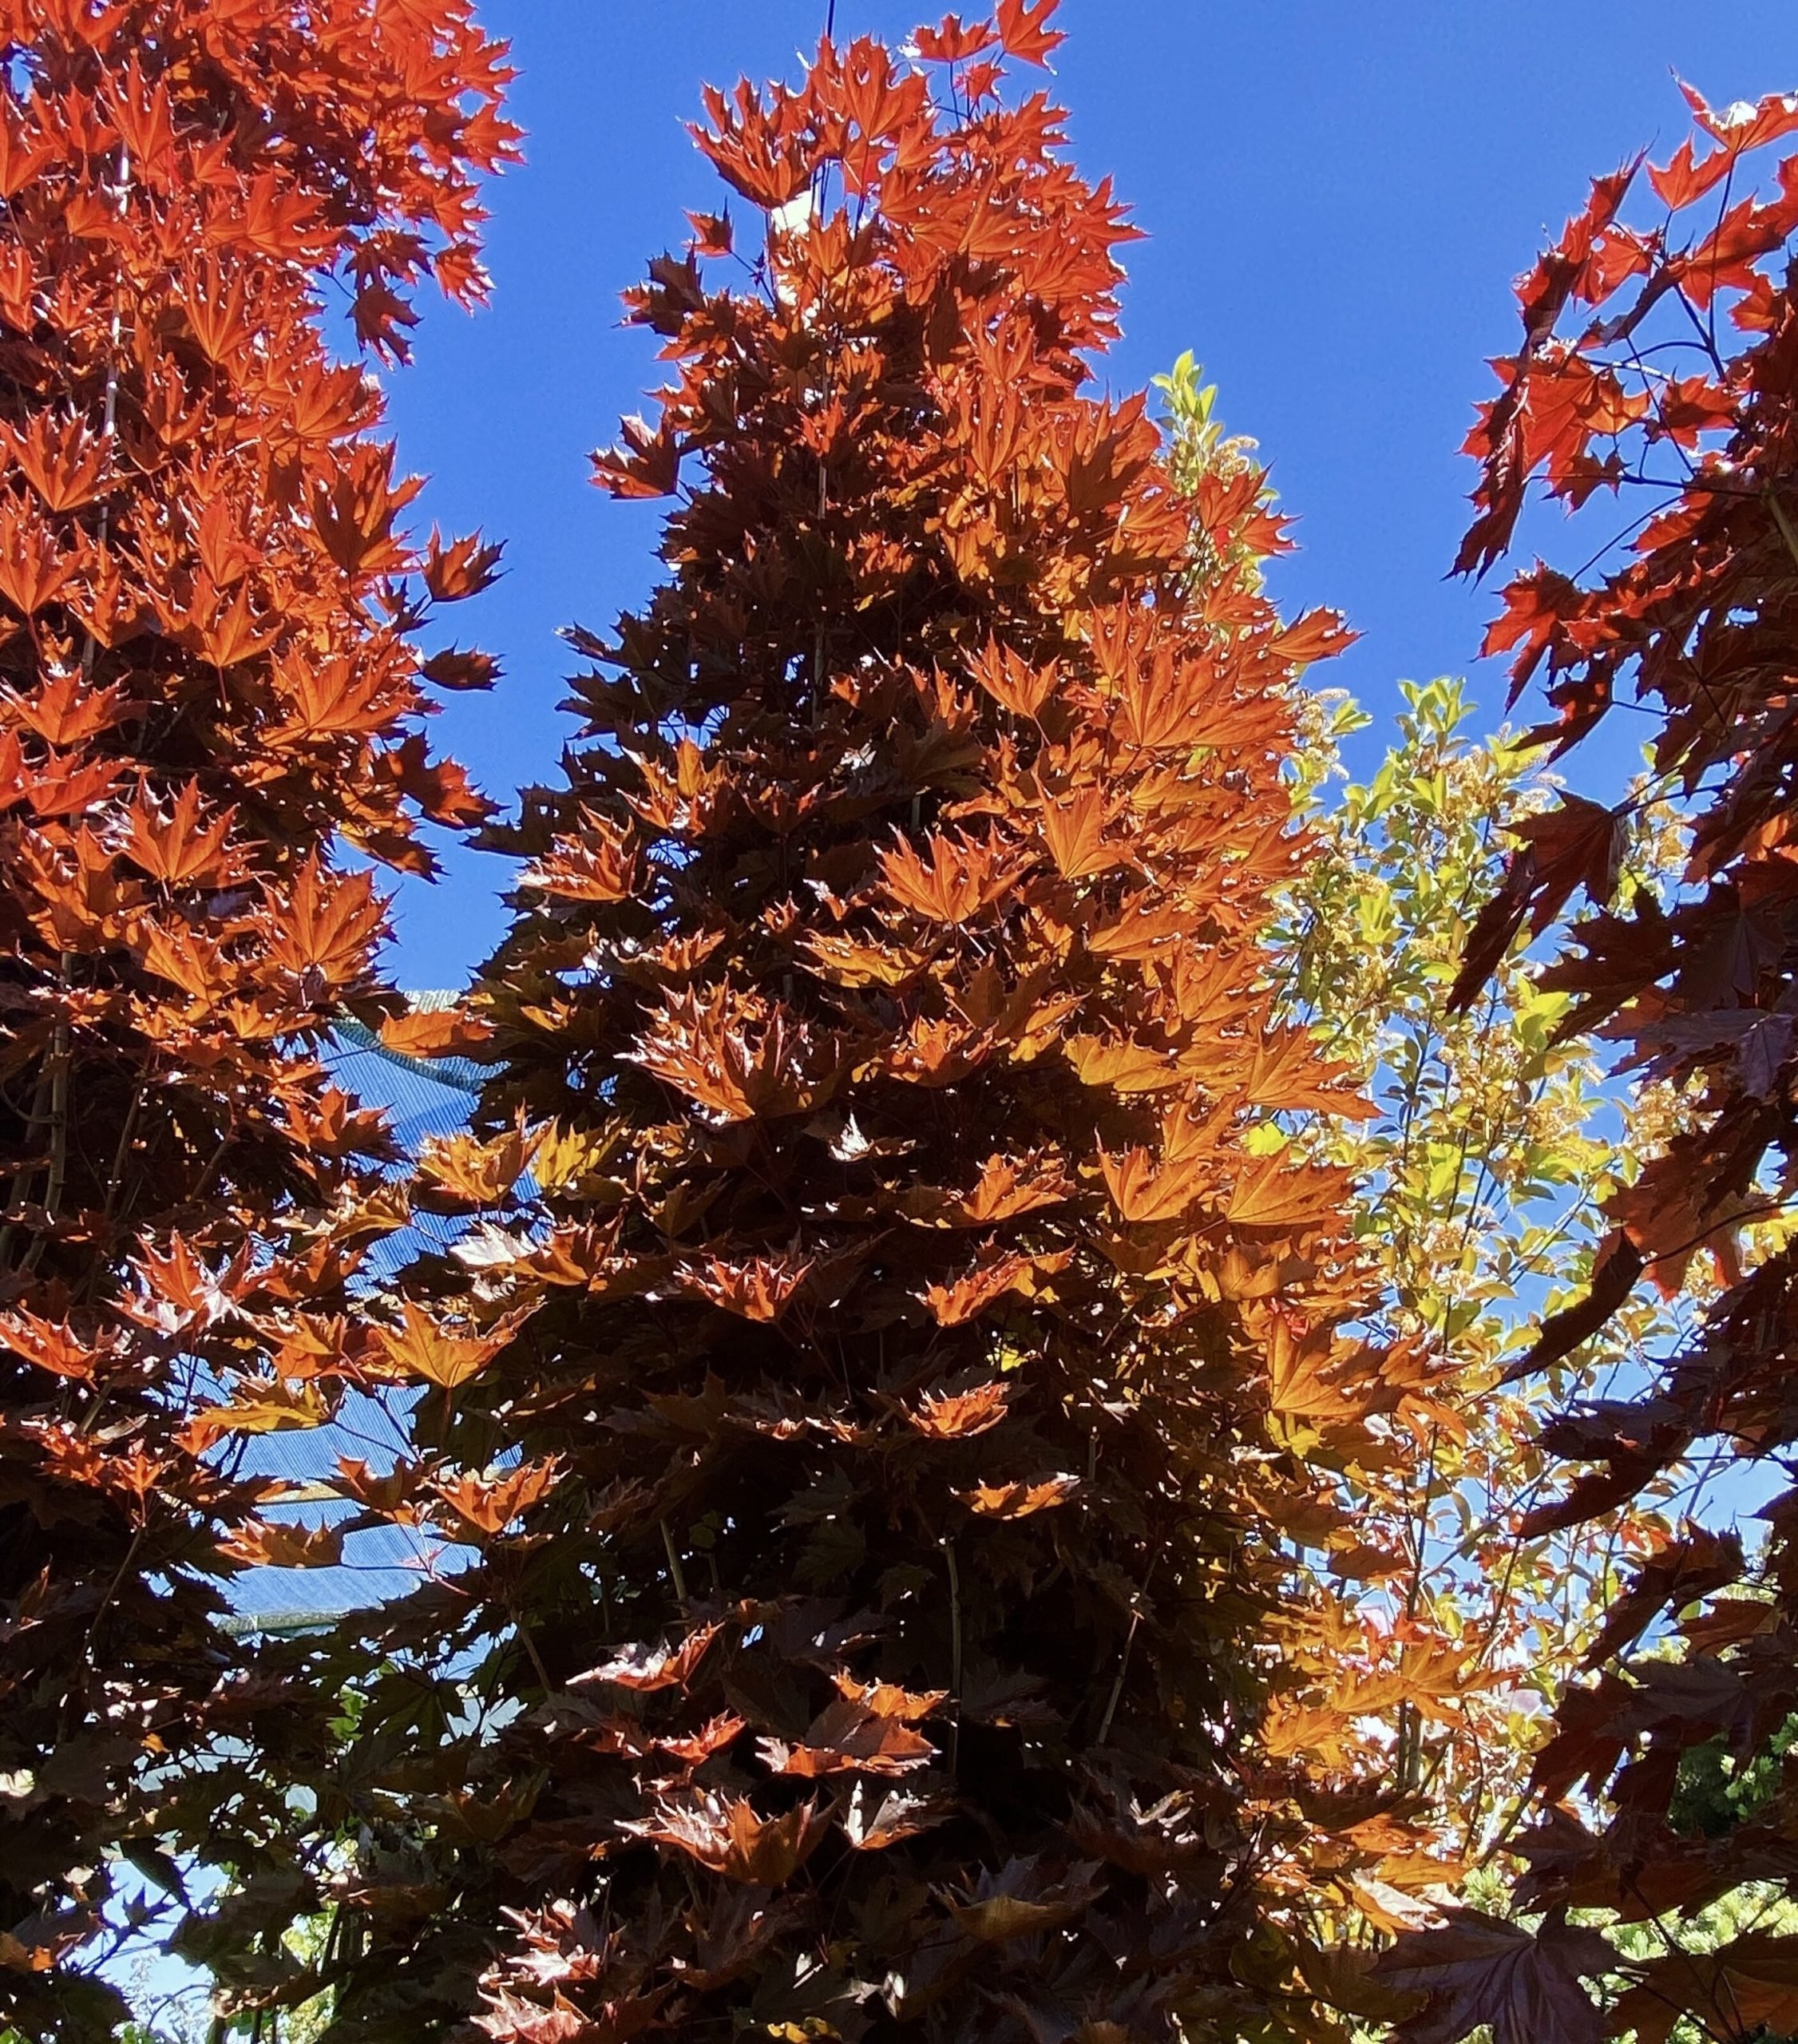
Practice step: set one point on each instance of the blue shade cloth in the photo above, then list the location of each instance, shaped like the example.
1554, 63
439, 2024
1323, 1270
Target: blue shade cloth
422, 1097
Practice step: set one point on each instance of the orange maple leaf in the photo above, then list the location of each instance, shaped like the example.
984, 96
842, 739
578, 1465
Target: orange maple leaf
724, 1833
1019, 1500
442, 1354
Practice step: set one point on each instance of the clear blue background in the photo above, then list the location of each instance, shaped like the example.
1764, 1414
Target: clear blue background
1337, 193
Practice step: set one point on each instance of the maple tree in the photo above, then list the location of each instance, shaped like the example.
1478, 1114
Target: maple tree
210, 687
1476, 1189
1001, 1498
1467, 1600
894, 1395
1656, 360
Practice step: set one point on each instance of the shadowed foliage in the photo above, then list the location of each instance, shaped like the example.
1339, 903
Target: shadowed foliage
1659, 363
207, 684
893, 1410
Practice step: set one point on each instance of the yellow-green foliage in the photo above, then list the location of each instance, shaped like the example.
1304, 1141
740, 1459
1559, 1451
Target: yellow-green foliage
1480, 1181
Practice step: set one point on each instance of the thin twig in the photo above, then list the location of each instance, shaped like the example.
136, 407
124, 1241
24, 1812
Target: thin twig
1123, 1658
948, 1548
535, 1659
1784, 524
56, 1170
674, 1563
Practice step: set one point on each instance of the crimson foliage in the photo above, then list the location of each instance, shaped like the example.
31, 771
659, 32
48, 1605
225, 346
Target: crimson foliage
888, 1415
1661, 360
208, 684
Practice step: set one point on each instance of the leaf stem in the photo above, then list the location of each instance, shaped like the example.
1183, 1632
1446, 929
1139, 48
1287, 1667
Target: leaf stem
674, 1570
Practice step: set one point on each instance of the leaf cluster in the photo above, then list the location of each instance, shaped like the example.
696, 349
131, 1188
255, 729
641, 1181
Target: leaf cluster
924, 1372
210, 693
1654, 361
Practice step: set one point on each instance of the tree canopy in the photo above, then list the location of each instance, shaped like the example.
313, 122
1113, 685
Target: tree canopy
1077, 1380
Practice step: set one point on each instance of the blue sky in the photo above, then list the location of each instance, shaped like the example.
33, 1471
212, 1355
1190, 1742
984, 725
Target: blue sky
1336, 196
